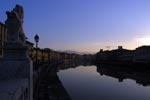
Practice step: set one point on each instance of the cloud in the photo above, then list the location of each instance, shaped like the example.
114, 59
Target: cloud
144, 40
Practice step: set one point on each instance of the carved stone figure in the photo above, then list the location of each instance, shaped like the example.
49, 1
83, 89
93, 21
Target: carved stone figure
15, 63
14, 24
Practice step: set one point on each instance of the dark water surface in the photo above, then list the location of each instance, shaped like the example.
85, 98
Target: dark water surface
104, 83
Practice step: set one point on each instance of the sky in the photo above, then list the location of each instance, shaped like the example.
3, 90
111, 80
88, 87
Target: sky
84, 25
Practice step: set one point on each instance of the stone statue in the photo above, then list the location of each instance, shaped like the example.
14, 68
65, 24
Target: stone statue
15, 63
14, 24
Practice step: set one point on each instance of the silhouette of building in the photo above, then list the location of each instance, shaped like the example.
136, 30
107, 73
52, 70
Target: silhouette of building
103, 55
142, 55
3, 37
121, 54
116, 55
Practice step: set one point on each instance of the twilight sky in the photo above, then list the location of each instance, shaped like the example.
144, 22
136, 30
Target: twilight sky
84, 25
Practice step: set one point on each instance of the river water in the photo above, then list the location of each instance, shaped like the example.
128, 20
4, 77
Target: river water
105, 83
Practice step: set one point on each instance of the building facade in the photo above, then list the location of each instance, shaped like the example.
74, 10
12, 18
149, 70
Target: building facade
3, 37
142, 55
30, 47
116, 55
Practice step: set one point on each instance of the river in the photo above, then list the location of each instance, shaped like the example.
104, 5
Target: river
105, 82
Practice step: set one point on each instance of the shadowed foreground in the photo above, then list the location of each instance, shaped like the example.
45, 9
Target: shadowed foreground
50, 87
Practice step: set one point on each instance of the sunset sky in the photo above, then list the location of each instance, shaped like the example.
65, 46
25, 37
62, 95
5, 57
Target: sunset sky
84, 25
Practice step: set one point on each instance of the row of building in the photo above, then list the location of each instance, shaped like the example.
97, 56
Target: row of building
48, 55
139, 55
37, 54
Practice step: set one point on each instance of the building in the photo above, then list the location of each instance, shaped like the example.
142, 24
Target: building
121, 54
30, 47
41, 55
48, 54
45, 56
36, 55
55, 56
103, 55
3, 37
116, 55
142, 55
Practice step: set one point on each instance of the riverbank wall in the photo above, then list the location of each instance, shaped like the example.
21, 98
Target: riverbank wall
48, 86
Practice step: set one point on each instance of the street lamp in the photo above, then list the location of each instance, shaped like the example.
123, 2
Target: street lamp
36, 38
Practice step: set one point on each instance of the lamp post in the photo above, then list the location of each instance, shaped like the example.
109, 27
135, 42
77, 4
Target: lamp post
36, 38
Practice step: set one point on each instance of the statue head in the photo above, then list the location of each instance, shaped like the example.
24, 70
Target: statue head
19, 10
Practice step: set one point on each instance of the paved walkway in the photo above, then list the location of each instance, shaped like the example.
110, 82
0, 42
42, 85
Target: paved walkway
50, 87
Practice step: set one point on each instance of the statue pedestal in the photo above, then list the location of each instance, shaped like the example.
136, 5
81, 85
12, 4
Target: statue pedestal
16, 64
15, 51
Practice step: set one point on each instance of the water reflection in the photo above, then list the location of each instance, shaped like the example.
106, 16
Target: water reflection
141, 77
104, 82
